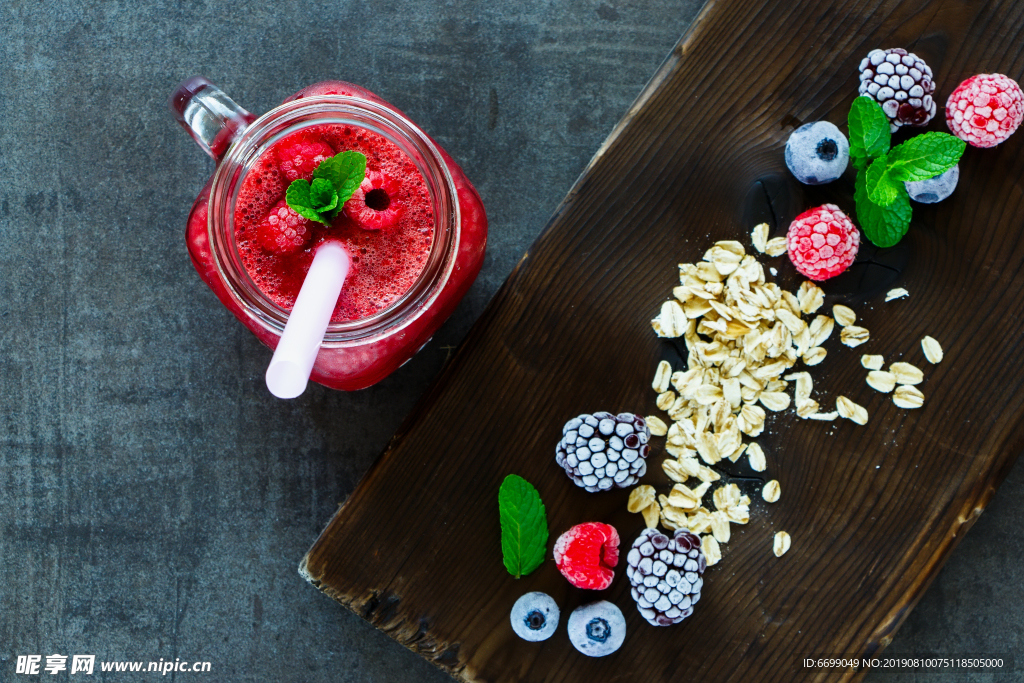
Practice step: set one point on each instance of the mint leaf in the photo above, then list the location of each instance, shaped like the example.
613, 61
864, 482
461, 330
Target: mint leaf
869, 131
882, 188
925, 156
300, 202
345, 171
323, 195
524, 526
884, 226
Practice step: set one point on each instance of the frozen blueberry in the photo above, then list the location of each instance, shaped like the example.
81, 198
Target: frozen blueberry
934, 189
597, 629
817, 153
535, 616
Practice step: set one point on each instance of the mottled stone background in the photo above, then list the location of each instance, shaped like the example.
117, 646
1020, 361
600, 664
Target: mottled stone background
155, 501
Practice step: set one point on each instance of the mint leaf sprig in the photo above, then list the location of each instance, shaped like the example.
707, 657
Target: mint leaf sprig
883, 205
334, 181
524, 526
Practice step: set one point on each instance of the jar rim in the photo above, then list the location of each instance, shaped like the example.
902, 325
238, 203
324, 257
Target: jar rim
382, 119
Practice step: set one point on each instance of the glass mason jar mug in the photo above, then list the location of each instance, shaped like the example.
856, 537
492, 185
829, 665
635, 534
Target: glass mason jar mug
358, 351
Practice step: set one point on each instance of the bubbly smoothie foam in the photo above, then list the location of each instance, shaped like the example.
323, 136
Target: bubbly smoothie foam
385, 263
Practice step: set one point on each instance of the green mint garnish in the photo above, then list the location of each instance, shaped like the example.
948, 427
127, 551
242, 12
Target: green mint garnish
869, 131
883, 225
334, 181
524, 526
323, 195
883, 205
881, 186
925, 156
298, 198
345, 172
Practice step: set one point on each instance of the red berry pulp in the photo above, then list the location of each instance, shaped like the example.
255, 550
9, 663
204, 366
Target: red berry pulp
389, 259
385, 263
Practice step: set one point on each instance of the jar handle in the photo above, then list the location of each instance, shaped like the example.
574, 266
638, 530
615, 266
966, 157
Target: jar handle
212, 118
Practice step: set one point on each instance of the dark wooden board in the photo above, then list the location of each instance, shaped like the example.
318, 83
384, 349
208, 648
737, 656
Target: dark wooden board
873, 511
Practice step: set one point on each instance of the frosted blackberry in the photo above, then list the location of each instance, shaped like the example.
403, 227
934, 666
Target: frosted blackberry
901, 83
934, 189
535, 616
817, 153
602, 451
597, 629
665, 575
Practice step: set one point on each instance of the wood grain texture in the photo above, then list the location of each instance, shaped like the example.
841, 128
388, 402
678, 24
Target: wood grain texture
873, 511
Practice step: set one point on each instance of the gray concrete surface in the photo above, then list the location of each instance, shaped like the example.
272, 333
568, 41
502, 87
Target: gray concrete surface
154, 499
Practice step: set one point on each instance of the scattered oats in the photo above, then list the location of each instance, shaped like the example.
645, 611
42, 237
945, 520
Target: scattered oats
738, 452
908, 397
726, 496
811, 297
712, 553
775, 246
807, 408
759, 237
814, 355
775, 401
854, 336
821, 329
662, 377
640, 497
844, 315
665, 400
932, 350
656, 425
872, 362
824, 416
781, 543
882, 381
708, 394
897, 293
673, 471
651, 515
671, 322
706, 474
771, 491
683, 497
906, 373
773, 271
804, 384
720, 526
755, 454
851, 411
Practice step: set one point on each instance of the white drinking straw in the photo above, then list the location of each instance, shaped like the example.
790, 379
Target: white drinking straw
296, 351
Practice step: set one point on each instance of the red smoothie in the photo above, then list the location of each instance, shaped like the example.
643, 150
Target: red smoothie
385, 261
393, 236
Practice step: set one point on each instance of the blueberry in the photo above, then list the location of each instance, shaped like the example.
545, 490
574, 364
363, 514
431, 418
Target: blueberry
597, 629
535, 616
817, 153
934, 189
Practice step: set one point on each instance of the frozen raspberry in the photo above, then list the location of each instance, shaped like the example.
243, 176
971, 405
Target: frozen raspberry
535, 616
374, 204
934, 189
587, 553
901, 83
665, 575
298, 156
597, 629
817, 153
283, 231
985, 109
822, 242
602, 450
